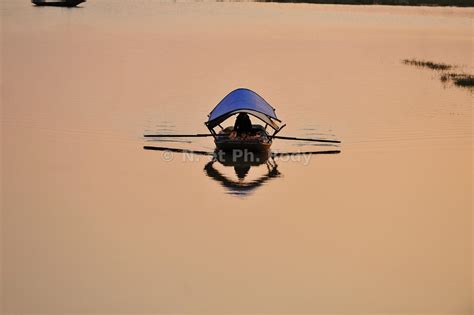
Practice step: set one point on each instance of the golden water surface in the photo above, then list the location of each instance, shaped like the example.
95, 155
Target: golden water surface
93, 224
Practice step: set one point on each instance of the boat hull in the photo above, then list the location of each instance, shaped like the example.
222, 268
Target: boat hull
258, 141
65, 3
252, 146
230, 159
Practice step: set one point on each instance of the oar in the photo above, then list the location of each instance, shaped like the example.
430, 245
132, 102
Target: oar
179, 136
201, 135
276, 154
273, 154
306, 139
147, 147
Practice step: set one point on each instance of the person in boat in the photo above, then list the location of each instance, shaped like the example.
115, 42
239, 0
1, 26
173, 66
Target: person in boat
243, 125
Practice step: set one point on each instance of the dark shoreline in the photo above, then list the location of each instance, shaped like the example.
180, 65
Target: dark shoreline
430, 3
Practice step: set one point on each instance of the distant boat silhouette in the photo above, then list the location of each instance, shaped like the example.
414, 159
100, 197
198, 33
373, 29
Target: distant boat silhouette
57, 3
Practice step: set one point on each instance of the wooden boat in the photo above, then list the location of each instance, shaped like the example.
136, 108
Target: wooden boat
248, 137
243, 101
57, 3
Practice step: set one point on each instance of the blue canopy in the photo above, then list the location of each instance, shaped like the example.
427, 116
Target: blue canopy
243, 101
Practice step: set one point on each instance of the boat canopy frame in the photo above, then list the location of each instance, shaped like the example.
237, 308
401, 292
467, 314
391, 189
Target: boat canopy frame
243, 101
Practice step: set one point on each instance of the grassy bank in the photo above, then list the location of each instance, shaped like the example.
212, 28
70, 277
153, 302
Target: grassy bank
444, 3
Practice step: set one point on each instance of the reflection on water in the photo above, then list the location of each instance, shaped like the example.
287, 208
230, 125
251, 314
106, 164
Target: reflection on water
240, 173
242, 164
240, 185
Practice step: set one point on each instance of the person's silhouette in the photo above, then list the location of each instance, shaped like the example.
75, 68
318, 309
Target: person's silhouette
242, 125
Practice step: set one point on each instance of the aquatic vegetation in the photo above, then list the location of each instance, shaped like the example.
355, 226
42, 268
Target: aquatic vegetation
427, 64
458, 79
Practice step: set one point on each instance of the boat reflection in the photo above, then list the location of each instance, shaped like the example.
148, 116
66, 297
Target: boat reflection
242, 164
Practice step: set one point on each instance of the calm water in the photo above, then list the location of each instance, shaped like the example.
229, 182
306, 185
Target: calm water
92, 223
